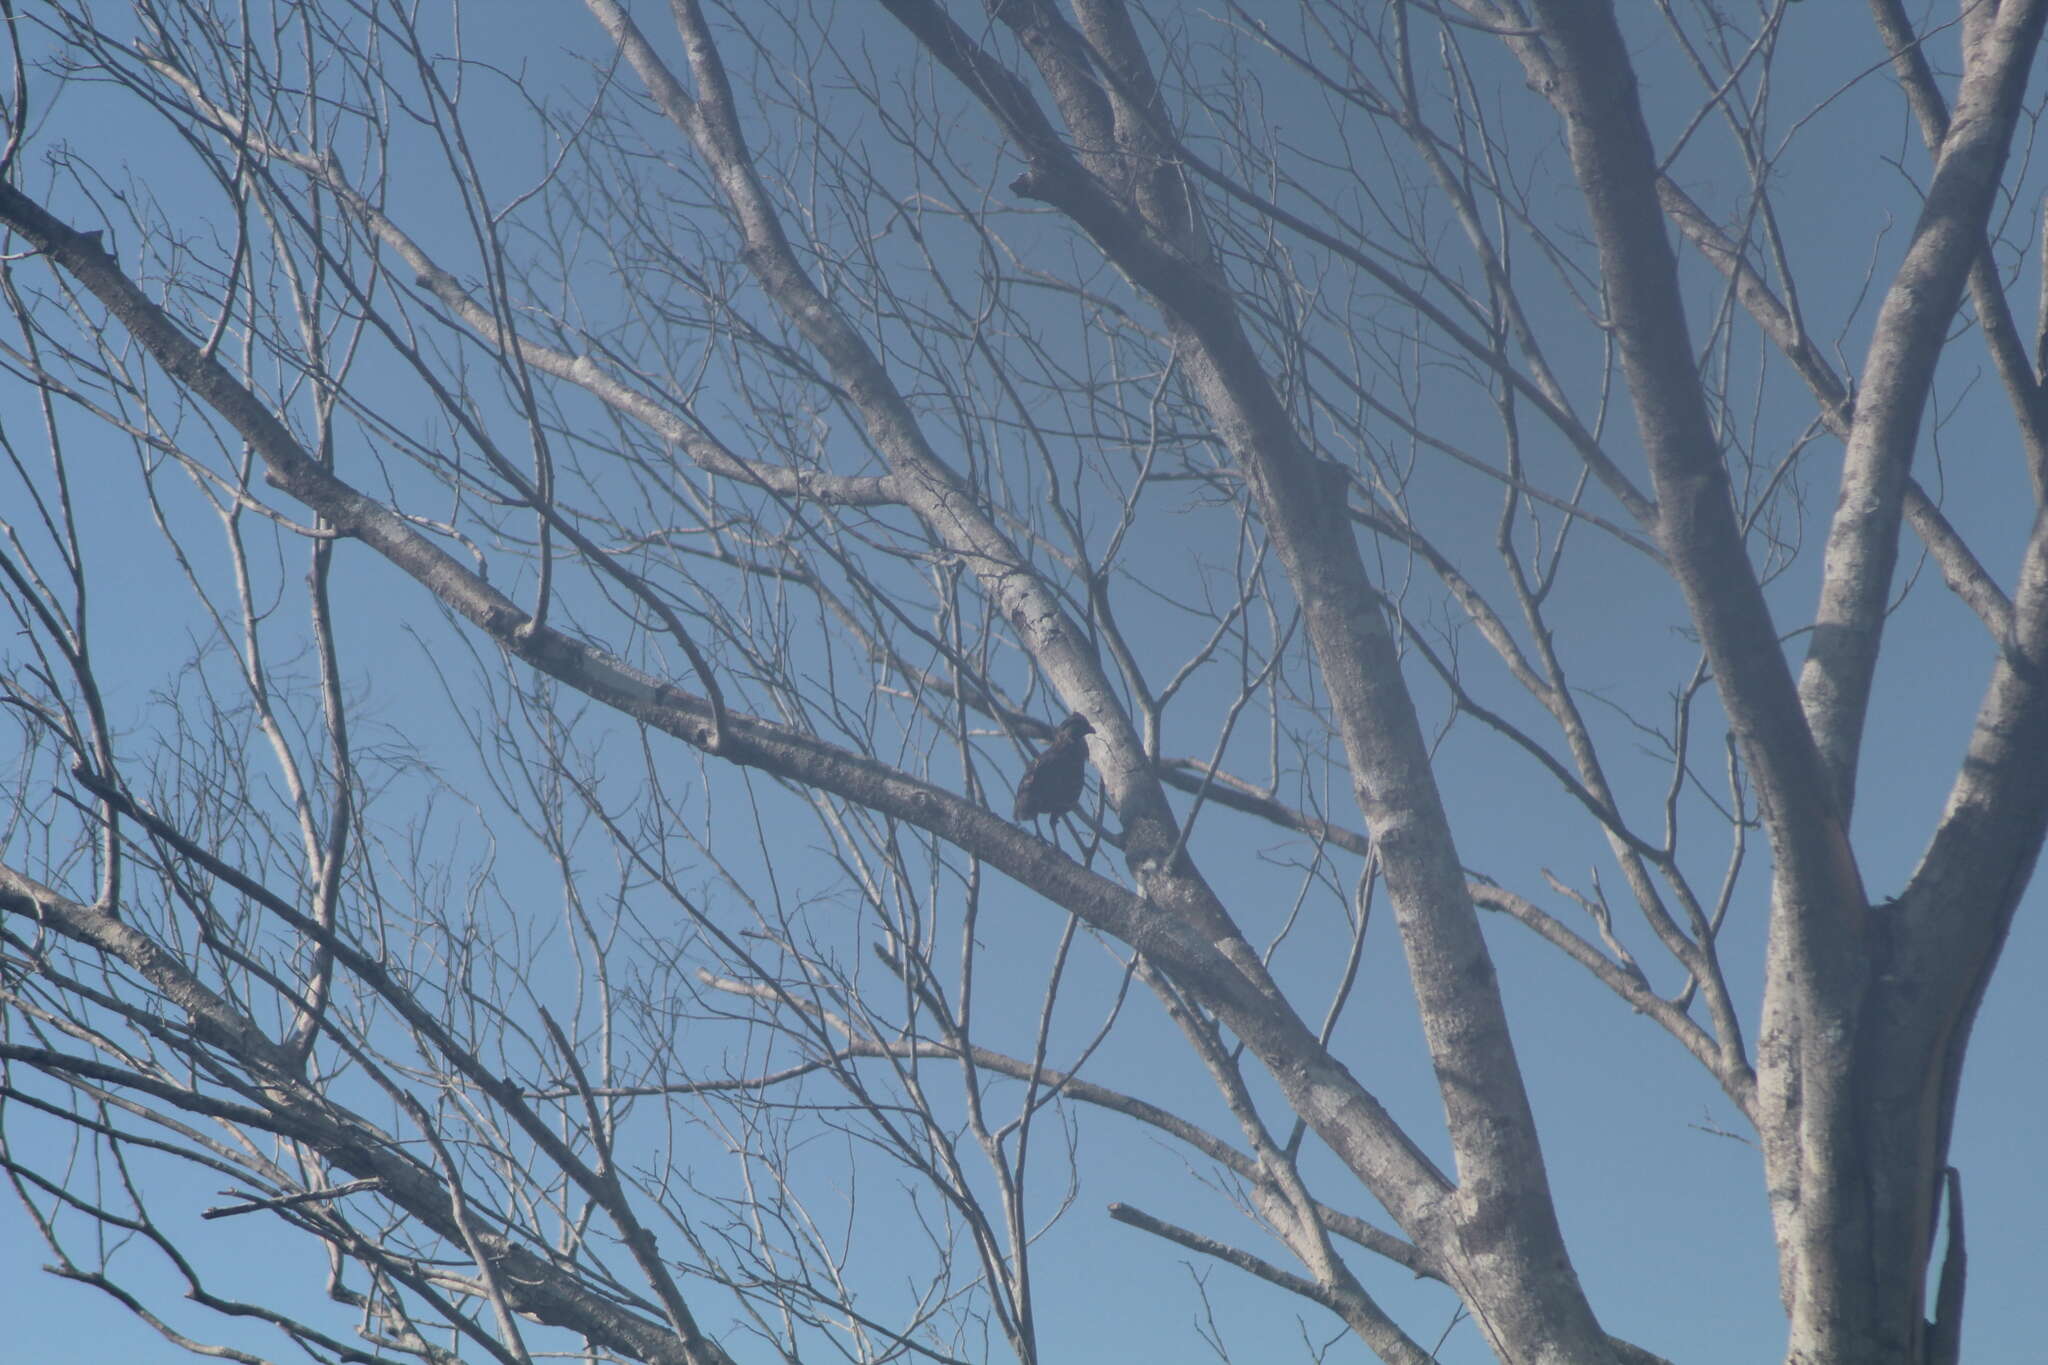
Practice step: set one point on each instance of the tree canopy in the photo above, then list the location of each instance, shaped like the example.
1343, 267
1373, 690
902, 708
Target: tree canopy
542, 548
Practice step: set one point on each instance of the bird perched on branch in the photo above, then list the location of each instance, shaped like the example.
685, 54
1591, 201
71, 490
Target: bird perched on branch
1052, 782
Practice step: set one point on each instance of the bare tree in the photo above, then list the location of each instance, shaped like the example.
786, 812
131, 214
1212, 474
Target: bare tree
630, 499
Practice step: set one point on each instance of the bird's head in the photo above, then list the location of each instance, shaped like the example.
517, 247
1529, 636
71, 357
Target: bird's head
1075, 726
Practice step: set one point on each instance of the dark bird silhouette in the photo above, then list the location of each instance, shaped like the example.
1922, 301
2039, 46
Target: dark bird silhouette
1051, 784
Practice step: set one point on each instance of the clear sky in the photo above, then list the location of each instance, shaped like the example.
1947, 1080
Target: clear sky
1659, 1191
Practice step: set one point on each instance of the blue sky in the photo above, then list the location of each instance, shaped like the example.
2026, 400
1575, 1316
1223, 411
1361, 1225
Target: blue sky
1664, 1209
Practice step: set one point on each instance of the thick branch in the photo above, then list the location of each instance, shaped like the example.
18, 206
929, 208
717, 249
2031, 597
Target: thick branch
1898, 371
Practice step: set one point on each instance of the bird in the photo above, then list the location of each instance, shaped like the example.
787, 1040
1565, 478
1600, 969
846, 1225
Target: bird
1051, 784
